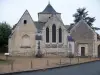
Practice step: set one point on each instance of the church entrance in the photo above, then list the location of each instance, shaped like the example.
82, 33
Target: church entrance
82, 51
98, 50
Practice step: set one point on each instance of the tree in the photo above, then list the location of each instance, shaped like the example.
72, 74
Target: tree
83, 14
5, 31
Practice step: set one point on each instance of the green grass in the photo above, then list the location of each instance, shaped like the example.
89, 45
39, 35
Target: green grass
2, 61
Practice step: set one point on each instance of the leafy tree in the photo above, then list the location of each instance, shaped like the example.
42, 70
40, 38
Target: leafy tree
5, 31
83, 14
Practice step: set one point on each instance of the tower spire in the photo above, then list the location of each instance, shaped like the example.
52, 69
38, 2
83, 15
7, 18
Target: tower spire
49, 2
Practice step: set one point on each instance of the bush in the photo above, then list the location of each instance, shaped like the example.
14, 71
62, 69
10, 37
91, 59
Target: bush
39, 55
70, 55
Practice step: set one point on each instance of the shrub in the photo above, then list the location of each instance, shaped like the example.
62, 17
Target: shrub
70, 55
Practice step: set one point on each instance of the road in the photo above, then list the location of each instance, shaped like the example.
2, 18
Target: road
92, 68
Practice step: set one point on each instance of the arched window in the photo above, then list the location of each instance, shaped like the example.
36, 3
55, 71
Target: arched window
60, 35
25, 41
47, 34
53, 33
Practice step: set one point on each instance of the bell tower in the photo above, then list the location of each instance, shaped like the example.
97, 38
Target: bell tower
47, 13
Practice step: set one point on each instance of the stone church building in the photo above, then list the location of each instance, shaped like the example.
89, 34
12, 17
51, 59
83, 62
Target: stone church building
53, 35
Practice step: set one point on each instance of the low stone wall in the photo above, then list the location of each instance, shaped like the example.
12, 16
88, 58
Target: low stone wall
24, 53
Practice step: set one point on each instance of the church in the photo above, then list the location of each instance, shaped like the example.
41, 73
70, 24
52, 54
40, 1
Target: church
53, 35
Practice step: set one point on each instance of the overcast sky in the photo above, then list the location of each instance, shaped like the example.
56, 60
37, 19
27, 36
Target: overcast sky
12, 10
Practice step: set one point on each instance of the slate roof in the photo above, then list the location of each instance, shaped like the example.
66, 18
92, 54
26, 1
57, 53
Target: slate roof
49, 10
39, 25
14, 26
37, 37
98, 36
67, 26
70, 27
70, 38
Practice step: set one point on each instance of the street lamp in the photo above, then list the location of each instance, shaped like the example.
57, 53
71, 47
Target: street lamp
39, 38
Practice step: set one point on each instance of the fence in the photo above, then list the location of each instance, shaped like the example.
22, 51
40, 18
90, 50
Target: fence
29, 63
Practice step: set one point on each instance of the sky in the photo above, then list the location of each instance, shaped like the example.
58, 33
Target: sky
12, 10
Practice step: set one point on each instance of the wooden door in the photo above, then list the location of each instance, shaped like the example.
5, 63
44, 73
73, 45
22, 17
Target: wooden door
99, 51
82, 51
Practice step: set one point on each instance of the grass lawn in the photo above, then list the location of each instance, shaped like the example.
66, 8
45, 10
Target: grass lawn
2, 61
